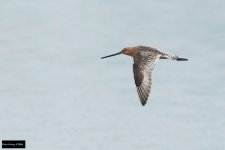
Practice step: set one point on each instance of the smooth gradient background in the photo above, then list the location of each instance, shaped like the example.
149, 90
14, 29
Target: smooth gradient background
56, 93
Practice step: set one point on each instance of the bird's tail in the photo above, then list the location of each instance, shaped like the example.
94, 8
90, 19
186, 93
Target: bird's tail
182, 59
172, 57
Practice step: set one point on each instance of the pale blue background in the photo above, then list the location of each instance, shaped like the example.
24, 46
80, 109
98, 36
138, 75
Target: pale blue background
56, 92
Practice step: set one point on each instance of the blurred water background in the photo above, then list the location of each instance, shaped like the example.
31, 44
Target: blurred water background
56, 92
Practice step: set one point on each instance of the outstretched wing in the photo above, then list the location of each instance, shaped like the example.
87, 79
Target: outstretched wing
142, 69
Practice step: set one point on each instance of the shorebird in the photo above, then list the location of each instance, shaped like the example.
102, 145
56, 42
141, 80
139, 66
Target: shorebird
145, 59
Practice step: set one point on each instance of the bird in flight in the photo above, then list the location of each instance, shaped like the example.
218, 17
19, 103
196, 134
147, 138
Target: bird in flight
145, 59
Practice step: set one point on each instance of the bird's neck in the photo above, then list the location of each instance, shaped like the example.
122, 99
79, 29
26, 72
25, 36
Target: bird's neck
133, 53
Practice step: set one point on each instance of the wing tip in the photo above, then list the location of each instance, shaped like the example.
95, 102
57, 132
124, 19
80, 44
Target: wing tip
143, 103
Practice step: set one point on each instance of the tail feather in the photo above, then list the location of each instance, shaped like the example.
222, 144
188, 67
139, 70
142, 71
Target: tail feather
173, 57
182, 59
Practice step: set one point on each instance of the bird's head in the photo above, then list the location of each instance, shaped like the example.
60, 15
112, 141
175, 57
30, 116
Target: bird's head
127, 51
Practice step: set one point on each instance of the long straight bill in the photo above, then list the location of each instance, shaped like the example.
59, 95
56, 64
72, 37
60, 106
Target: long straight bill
111, 55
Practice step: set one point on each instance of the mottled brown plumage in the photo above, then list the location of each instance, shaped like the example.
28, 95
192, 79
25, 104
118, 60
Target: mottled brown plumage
145, 59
